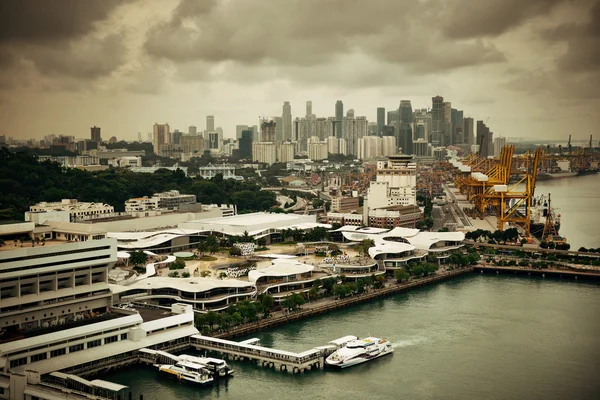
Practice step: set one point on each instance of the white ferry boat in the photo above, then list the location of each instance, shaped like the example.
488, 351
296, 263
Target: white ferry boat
188, 372
216, 366
359, 351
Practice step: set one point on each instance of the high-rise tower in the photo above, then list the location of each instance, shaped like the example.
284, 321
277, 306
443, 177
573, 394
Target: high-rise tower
308, 108
210, 123
96, 136
287, 121
339, 115
437, 120
380, 120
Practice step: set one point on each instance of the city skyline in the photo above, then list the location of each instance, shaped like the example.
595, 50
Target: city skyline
529, 69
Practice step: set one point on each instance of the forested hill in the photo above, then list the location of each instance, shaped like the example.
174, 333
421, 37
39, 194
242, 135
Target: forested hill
24, 181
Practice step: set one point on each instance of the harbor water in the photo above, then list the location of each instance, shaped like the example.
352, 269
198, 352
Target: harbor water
577, 200
475, 337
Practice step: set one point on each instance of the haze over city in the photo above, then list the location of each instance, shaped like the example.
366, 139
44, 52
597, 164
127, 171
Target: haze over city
529, 68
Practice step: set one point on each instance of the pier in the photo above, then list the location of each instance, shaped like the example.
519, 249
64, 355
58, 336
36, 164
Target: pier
272, 358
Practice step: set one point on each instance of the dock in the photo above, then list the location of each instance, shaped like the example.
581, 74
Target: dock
281, 360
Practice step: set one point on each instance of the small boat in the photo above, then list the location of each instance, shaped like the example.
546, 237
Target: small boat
188, 372
217, 367
359, 351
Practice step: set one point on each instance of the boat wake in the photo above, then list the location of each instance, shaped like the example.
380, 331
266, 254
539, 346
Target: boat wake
408, 342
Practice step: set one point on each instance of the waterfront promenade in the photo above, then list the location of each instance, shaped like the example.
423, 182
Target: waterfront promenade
330, 304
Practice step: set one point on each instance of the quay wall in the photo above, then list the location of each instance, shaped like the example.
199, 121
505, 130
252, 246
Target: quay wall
544, 272
336, 305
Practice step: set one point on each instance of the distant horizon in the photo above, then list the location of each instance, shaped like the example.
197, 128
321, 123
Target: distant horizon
528, 69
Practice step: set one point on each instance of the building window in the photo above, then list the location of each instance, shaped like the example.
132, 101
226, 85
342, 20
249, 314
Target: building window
123, 336
111, 339
18, 361
94, 343
39, 357
58, 352
77, 347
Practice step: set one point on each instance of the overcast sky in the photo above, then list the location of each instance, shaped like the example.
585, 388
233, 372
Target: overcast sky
531, 66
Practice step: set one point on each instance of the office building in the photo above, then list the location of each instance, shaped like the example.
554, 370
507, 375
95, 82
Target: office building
405, 134
380, 120
176, 136
210, 123
245, 144
192, 130
395, 183
437, 121
308, 108
95, 133
287, 121
421, 148
350, 113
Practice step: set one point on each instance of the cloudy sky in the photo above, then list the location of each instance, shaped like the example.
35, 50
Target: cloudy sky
532, 67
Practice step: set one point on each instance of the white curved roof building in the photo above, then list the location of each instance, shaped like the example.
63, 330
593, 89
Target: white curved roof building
284, 277
204, 294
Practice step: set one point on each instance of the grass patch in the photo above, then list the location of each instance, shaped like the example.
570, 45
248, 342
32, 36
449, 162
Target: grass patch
207, 258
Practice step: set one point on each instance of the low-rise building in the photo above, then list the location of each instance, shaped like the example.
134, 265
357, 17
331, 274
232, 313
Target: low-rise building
78, 211
171, 200
394, 216
343, 204
353, 219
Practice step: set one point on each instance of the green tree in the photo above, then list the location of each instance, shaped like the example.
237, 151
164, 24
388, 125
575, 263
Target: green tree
235, 251
267, 301
401, 275
430, 268
138, 258
177, 264
418, 270
212, 243
211, 318
185, 274
202, 247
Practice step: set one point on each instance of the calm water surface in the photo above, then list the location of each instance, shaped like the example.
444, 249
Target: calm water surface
577, 199
476, 337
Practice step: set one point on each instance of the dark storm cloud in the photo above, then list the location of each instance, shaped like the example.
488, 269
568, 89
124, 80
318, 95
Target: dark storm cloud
59, 39
471, 19
44, 21
583, 43
309, 33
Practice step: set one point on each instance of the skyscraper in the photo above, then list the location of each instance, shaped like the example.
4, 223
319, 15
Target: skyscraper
484, 137
405, 136
350, 113
468, 130
96, 137
246, 144
458, 128
339, 115
447, 141
380, 120
161, 135
308, 108
278, 129
239, 129
499, 143
267, 131
210, 123
192, 130
287, 121
437, 120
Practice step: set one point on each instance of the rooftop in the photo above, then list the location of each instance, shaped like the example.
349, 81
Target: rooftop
185, 284
251, 219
